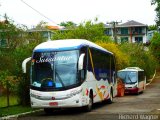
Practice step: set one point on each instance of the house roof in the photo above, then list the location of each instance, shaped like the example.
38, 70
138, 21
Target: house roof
132, 23
46, 28
53, 27
50, 27
38, 30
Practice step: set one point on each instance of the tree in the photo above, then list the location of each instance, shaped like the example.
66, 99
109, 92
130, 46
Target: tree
152, 27
20, 46
41, 24
139, 57
86, 30
155, 45
12, 34
6, 83
157, 9
68, 24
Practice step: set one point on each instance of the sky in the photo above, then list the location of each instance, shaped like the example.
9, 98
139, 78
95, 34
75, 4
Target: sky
77, 11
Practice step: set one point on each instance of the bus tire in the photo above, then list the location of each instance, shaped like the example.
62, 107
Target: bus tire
48, 110
88, 108
110, 100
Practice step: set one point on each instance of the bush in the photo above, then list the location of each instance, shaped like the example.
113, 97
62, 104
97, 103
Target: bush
23, 90
20, 54
155, 46
139, 57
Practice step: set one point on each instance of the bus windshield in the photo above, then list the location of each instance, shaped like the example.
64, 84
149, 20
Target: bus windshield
54, 70
129, 77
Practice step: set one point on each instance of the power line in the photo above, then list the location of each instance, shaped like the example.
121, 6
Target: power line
39, 12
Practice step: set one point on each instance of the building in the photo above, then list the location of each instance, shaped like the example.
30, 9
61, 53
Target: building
7, 30
46, 31
150, 35
131, 31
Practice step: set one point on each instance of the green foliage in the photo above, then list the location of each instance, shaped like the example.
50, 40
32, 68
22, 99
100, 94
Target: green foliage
139, 57
20, 45
68, 24
87, 30
13, 34
155, 45
152, 27
23, 89
8, 81
12, 101
3, 78
41, 24
157, 3
20, 54
11, 72
14, 110
6, 60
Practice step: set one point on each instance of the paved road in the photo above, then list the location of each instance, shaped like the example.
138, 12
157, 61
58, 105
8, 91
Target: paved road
145, 106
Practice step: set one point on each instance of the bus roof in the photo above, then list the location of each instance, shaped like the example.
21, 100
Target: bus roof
66, 44
132, 69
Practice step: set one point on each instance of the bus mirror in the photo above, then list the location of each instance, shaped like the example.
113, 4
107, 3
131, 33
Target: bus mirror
24, 64
80, 62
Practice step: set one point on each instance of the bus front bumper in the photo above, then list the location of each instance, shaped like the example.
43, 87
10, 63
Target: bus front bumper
75, 101
131, 90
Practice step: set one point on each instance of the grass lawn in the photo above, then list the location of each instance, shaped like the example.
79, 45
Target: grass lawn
12, 101
14, 110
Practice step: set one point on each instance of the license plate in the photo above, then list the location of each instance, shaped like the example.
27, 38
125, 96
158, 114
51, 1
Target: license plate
53, 103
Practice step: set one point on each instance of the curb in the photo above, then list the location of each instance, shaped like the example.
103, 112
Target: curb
151, 79
17, 115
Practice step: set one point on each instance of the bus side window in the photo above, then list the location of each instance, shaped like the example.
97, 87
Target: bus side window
140, 76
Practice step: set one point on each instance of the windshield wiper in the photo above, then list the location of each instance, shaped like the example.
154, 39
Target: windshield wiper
130, 79
60, 79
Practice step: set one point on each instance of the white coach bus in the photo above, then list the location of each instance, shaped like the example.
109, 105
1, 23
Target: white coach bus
134, 79
71, 73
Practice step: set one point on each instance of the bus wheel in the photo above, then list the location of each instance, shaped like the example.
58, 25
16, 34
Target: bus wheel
88, 108
110, 100
48, 111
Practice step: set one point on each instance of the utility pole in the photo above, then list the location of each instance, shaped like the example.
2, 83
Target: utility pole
113, 24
